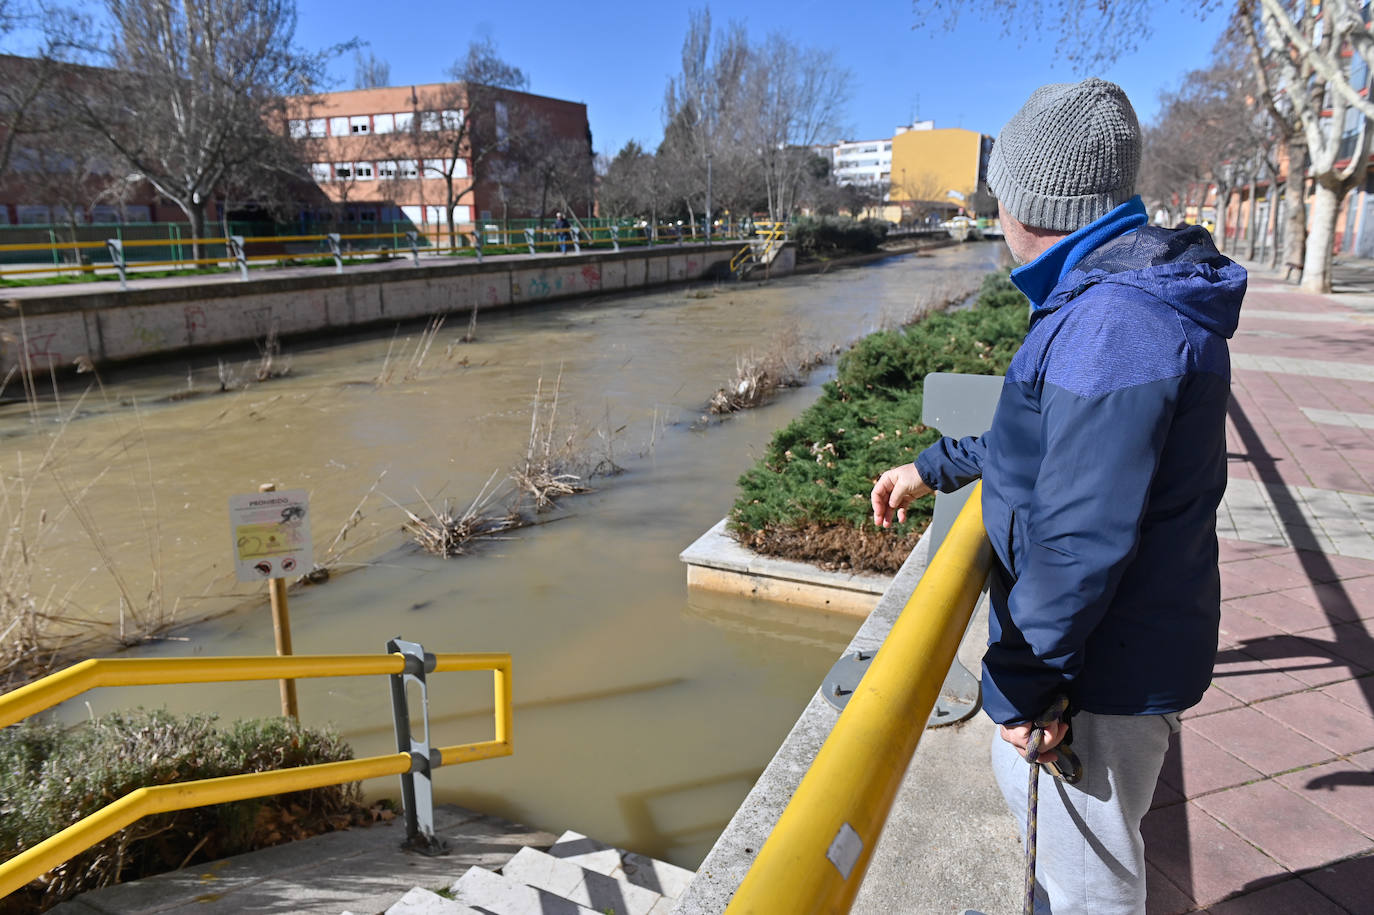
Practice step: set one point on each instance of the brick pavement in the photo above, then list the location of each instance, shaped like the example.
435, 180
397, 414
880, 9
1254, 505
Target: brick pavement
1266, 802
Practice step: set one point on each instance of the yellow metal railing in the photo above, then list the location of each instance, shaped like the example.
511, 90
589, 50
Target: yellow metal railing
432, 240
49, 691
771, 233
816, 856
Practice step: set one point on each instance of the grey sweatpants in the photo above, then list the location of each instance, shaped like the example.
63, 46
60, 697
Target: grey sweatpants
1090, 857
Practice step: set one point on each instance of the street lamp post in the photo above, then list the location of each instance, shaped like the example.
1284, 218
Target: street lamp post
708, 198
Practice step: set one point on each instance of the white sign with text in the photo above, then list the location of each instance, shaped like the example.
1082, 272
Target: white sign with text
271, 533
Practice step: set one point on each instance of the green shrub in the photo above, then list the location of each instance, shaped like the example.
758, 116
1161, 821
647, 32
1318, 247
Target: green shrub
50, 777
819, 469
831, 236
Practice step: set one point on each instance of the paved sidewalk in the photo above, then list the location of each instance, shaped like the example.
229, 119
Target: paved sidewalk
1266, 803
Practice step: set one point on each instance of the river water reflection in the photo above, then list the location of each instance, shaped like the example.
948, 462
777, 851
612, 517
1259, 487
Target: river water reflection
643, 713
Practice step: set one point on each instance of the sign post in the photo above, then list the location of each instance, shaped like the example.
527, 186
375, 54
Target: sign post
272, 541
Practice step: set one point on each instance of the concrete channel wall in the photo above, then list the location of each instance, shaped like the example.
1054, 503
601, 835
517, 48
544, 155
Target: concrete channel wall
54, 331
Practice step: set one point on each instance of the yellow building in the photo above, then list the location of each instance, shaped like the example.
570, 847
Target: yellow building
935, 170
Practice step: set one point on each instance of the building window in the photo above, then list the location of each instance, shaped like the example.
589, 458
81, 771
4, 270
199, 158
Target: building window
405, 120
319, 171
460, 168
414, 214
317, 127
362, 171
429, 120
436, 168
343, 171
359, 123
383, 123
409, 168
450, 119
338, 127
386, 170
297, 128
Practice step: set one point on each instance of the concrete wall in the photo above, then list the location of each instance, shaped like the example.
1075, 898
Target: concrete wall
53, 331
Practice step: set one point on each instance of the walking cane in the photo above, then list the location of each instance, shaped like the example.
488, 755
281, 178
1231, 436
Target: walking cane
1066, 767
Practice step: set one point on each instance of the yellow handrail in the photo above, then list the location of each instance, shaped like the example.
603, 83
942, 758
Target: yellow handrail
56, 688
811, 862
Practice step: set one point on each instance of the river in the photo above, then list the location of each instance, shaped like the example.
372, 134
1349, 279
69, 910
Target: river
643, 712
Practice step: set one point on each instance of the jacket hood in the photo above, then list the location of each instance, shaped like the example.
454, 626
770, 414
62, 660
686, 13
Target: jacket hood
1181, 267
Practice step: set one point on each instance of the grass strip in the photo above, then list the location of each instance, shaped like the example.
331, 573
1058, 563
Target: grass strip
807, 498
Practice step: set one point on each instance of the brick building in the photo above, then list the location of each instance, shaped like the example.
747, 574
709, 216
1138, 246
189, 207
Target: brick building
403, 153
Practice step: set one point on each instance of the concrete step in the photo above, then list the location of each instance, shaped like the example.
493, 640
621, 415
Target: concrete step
638, 870
497, 895
422, 902
593, 889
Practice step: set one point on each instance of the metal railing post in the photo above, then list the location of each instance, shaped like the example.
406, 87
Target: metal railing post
477, 244
414, 239
417, 785
336, 249
529, 238
615, 237
577, 240
116, 249
240, 255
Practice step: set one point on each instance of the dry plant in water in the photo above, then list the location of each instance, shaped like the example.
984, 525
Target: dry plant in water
448, 532
413, 358
942, 292
40, 624
552, 466
759, 375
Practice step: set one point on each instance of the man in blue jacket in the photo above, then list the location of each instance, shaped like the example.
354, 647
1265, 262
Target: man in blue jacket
1101, 473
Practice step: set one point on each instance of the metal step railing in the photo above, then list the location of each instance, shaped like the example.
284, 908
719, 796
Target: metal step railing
406, 664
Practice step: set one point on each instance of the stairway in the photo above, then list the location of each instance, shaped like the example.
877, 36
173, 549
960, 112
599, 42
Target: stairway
576, 876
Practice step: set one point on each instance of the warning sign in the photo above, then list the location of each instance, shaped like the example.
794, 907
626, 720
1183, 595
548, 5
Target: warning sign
271, 533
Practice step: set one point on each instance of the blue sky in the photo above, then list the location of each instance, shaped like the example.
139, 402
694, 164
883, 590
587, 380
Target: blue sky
617, 56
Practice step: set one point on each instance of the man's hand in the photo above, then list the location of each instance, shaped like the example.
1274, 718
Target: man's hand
1018, 735
895, 490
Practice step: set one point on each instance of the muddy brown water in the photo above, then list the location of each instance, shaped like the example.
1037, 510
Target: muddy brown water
643, 712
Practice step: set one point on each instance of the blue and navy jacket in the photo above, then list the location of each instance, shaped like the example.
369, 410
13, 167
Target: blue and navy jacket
1102, 473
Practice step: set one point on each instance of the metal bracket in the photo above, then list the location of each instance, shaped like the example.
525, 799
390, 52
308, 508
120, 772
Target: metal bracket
235, 245
844, 678
957, 700
116, 249
336, 249
417, 785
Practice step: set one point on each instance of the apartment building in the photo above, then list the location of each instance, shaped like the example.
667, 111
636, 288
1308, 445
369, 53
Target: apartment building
860, 161
938, 166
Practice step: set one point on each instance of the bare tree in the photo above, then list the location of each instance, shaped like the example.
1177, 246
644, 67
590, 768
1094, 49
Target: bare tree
920, 193
197, 93
802, 93
48, 39
370, 71
1315, 75
1307, 51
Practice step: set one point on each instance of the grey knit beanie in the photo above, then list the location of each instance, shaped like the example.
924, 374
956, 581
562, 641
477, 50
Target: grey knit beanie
1068, 157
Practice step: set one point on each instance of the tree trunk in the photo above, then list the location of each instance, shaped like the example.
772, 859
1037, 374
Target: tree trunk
1326, 206
195, 214
1251, 222
1223, 199
1294, 195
